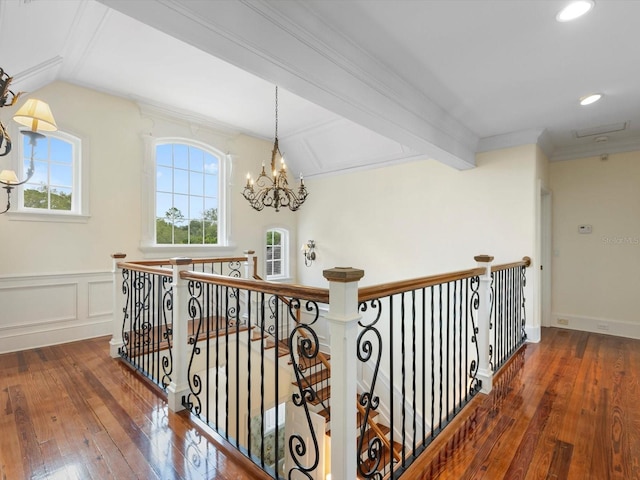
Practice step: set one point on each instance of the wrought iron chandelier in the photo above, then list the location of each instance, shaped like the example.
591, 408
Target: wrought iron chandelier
273, 190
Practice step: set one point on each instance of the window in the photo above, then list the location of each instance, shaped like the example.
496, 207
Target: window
187, 194
54, 187
277, 254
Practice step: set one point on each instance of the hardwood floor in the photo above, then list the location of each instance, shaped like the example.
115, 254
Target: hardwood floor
72, 412
567, 408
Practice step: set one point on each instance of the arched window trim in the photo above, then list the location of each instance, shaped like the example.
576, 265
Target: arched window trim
148, 241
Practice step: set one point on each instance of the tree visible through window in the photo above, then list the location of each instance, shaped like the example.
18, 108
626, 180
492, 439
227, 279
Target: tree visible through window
187, 195
276, 253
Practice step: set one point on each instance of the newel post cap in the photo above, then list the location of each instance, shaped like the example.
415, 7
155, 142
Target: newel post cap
118, 255
180, 261
483, 258
343, 274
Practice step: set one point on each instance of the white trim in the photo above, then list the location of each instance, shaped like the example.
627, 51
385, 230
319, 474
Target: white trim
607, 326
70, 306
148, 236
79, 212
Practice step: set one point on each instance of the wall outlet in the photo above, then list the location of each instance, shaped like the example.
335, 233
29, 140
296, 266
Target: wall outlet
563, 321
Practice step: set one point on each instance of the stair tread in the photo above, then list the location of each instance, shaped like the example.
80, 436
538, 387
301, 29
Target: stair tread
314, 378
371, 433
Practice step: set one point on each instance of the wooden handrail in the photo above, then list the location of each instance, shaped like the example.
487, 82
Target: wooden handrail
320, 295
388, 289
136, 266
525, 262
195, 261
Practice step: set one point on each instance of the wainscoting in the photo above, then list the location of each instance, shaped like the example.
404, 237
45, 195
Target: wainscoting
39, 310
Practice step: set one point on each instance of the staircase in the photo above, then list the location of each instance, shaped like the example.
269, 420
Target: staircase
317, 375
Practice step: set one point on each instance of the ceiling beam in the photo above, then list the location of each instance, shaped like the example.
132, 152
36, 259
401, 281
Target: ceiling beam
287, 44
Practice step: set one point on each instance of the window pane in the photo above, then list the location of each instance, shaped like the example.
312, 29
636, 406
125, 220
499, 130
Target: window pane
61, 175
41, 175
163, 155
181, 202
210, 164
61, 151
196, 181
196, 208
211, 185
181, 181
60, 199
36, 196
211, 204
164, 179
164, 202
277, 253
277, 268
40, 152
196, 159
180, 156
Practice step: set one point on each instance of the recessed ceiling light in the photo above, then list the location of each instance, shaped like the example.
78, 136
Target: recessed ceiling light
574, 10
591, 98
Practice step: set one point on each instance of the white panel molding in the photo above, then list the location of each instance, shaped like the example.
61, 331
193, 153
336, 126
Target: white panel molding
66, 307
606, 326
100, 302
286, 44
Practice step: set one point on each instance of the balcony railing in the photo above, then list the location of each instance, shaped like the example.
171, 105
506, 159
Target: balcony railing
309, 381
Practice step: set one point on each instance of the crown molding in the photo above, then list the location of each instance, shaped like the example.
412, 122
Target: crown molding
595, 149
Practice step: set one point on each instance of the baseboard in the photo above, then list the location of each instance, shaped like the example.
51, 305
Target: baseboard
596, 325
54, 335
533, 334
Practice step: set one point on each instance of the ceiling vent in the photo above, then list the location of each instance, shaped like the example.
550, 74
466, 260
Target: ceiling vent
601, 130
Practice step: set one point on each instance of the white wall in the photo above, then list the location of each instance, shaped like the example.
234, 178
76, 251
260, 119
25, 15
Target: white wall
596, 277
35, 253
422, 218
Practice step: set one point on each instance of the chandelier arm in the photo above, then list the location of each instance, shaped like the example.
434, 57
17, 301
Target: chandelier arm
5, 139
8, 189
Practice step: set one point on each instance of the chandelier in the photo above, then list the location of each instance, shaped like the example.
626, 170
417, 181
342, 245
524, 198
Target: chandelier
273, 190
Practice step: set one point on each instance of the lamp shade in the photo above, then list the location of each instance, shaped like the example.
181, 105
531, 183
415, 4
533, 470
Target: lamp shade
8, 177
36, 115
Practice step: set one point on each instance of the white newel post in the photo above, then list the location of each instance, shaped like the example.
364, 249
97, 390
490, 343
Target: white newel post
249, 264
343, 319
118, 314
179, 385
485, 373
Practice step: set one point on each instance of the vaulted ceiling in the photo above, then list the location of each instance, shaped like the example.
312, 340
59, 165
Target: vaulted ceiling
362, 82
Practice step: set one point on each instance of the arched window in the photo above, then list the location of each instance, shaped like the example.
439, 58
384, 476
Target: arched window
277, 254
188, 203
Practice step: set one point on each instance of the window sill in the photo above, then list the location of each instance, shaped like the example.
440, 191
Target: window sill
187, 250
23, 216
279, 279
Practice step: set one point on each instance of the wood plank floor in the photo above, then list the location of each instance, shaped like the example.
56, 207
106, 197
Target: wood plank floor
72, 412
567, 408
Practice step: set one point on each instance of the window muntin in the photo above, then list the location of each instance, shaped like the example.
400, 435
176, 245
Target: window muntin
187, 199
55, 184
276, 253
